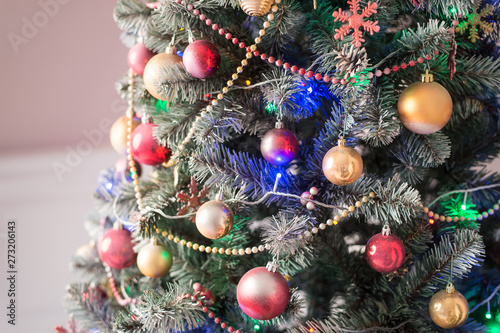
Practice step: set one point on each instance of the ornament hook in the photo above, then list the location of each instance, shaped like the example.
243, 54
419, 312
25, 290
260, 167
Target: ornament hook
386, 230
427, 78
273, 266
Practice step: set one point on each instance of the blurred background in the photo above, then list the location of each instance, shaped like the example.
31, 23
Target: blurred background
59, 62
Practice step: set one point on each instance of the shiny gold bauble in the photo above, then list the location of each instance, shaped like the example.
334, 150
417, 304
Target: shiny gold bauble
425, 107
342, 165
154, 71
118, 134
256, 7
448, 308
214, 219
154, 260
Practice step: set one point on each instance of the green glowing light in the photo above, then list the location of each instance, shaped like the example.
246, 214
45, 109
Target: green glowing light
256, 327
161, 105
464, 207
453, 10
494, 329
271, 107
488, 315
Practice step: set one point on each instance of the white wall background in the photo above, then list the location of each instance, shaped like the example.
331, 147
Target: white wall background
55, 85
54, 88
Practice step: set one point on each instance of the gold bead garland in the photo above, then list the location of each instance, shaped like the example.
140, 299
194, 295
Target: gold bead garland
261, 248
435, 217
130, 157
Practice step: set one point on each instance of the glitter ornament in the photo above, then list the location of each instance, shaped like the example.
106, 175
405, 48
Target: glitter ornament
138, 57
154, 71
116, 248
154, 260
263, 294
256, 7
144, 147
385, 253
201, 59
279, 146
214, 219
448, 308
425, 107
118, 134
342, 165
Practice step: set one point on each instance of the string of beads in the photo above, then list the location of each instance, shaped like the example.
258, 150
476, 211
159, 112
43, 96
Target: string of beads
261, 247
478, 217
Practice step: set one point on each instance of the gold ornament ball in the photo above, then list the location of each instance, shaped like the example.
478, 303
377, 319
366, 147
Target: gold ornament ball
118, 134
342, 165
214, 219
425, 107
448, 308
256, 7
154, 260
154, 70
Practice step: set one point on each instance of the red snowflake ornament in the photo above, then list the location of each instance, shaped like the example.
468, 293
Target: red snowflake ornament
356, 21
193, 200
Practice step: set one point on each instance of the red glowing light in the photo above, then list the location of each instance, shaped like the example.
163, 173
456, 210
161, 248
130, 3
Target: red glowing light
431, 221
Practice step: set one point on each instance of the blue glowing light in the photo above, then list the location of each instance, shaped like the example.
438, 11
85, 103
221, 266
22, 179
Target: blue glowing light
109, 186
180, 53
309, 90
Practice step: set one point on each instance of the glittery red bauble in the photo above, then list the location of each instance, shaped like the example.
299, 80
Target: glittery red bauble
385, 254
262, 294
145, 148
201, 59
279, 146
116, 249
138, 57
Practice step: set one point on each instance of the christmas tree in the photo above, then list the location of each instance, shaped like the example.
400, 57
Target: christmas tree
316, 167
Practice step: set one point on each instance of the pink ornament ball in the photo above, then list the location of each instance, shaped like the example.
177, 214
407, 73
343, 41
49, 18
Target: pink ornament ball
145, 149
279, 146
385, 253
262, 294
138, 57
201, 59
116, 249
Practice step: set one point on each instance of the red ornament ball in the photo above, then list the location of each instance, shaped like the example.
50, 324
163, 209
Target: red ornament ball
116, 249
201, 59
138, 57
279, 146
385, 253
262, 294
145, 149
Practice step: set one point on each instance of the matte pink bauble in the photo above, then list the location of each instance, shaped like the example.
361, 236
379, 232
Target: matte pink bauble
201, 59
279, 146
116, 249
145, 149
138, 57
262, 294
385, 253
